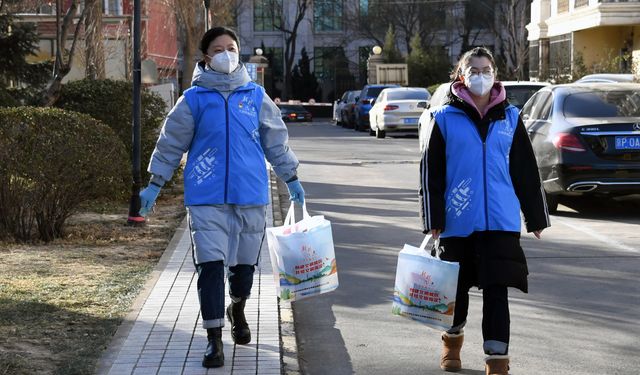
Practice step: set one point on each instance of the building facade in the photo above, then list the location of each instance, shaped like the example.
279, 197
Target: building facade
569, 37
159, 49
329, 35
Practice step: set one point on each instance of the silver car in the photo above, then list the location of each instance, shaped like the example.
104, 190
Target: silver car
397, 110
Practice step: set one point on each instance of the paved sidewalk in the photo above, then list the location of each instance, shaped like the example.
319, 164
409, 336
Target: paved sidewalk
166, 336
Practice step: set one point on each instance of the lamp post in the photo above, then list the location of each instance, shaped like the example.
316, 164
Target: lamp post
134, 204
374, 59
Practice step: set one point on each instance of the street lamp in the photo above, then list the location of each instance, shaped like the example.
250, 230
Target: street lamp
259, 51
134, 204
376, 50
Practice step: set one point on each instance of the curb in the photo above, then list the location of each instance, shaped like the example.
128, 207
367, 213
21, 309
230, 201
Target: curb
288, 342
118, 339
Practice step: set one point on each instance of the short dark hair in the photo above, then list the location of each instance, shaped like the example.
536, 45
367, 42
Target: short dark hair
215, 32
466, 57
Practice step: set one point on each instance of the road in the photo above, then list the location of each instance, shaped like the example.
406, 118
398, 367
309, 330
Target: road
581, 315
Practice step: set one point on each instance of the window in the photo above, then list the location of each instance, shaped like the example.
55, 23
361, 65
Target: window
478, 15
327, 15
324, 61
581, 3
364, 8
563, 6
267, 15
534, 59
560, 55
112, 7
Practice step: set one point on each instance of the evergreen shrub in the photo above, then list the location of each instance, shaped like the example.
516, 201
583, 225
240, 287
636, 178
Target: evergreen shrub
51, 161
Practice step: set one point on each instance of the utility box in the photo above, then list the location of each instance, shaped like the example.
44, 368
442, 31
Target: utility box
392, 74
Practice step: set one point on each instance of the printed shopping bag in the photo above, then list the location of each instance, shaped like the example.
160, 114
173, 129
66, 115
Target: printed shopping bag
302, 256
425, 288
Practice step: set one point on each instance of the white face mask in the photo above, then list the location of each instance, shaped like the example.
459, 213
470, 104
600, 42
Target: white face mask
479, 84
224, 62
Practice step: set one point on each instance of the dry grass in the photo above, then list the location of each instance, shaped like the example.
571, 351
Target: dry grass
60, 303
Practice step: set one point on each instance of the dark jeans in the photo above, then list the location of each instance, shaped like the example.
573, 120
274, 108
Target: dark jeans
211, 289
495, 303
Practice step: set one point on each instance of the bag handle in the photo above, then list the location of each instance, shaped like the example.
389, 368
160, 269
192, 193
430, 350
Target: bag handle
436, 243
290, 219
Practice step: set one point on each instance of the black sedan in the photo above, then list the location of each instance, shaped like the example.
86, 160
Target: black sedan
586, 138
294, 113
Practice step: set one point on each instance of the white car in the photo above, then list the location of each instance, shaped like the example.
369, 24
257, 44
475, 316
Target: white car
397, 110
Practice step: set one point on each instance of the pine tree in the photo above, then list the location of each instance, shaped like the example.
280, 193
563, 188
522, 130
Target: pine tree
304, 83
427, 66
390, 52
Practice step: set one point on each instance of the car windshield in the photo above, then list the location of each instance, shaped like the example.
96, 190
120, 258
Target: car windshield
518, 95
619, 103
373, 92
407, 95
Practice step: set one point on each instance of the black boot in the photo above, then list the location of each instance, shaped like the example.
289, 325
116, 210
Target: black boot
213, 356
239, 328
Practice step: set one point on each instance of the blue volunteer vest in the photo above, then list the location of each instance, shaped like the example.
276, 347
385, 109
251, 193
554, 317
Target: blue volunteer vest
225, 164
479, 194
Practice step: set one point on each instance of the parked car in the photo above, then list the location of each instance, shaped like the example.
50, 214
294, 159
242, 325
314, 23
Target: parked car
397, 110
586, 138
606, 77
294, 113
344, 107
518, 92
363, 105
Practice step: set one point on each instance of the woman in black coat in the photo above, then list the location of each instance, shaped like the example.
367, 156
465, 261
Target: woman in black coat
478, 172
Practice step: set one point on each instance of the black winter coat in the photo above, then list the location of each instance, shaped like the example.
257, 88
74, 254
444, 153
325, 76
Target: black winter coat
490, 257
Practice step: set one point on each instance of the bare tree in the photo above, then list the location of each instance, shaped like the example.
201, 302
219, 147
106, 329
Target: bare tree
224, 12
513, 16
63, 58
191, 26
94, 47
289, 27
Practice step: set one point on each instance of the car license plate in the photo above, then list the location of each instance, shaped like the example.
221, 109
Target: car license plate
411, 121
628, 143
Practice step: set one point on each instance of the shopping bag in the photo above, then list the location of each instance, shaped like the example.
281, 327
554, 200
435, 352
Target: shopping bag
302, 256
425, 287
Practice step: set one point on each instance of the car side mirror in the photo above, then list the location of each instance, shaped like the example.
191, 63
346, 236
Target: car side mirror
422, 105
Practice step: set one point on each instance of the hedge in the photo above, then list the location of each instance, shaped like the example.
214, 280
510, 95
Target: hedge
51, 161
111, 102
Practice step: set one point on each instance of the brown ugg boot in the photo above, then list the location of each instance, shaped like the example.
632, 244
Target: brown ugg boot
497, 365
450, 359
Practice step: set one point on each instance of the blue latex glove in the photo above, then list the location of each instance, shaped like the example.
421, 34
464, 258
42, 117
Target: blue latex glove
148, 198
296, 192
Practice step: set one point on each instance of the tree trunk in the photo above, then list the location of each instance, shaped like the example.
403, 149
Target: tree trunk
94, 57
61, 67
190, 51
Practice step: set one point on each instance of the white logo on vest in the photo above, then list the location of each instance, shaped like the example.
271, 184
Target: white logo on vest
460, 197
247, 107
204, 166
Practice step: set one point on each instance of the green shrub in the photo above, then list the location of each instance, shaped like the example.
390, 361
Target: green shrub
111, 102
6, 100
51, 161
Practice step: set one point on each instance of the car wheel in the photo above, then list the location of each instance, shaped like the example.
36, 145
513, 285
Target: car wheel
380, 133
552, 202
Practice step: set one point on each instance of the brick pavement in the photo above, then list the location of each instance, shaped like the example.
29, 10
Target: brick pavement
166, 335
